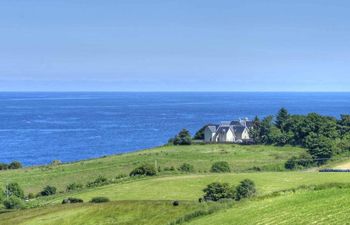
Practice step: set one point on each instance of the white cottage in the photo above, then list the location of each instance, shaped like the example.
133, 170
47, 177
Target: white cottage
231, 132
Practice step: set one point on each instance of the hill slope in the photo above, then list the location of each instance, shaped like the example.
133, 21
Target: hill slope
330, 206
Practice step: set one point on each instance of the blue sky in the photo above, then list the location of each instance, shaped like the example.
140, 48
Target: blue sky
175, 45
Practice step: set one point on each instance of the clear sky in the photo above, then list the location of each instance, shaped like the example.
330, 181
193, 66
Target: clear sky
175, 45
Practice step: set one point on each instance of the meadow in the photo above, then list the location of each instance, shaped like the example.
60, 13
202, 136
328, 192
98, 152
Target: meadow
148, 200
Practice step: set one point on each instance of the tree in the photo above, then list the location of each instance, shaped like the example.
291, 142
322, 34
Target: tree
245, 189
255, 132
344, 124
15, 165
220, 167
144, 170
13, 189
200, 133
48, 190
282, 120
319, 147
183, 138
216, 191
4, 166
265, 129
13, 202
304, 160
186, 167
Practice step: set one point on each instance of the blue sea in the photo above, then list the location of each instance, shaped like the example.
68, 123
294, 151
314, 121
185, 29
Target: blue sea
36, 128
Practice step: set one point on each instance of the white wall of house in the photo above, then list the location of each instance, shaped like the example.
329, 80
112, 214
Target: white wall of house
245, 134
208, 135
226, 137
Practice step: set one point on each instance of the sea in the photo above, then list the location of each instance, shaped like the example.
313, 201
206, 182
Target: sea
37, 128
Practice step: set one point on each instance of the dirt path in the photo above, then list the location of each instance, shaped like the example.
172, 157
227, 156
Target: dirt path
345, 165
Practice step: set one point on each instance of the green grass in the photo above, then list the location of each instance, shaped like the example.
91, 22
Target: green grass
330, 206
240, 158
189, 187
121, 213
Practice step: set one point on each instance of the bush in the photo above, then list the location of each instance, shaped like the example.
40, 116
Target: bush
4, 166
245, 189
99, 181
220, 167
145, 170
183, 138
56, 162
99, 200
2, 195
15, 165
176, 203
31, 196
48, 190
186, 167
303, 161
72, 200
216, 191
13, 189
13, 202
73, 186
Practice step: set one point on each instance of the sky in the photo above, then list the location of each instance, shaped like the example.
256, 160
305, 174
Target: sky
175, 45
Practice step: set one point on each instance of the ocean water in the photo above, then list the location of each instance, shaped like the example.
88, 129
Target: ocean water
36, 128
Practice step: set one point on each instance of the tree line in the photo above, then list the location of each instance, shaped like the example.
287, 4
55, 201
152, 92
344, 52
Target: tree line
322, 136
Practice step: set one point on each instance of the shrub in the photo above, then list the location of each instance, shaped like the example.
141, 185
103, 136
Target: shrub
56, 162
72, 200
13, 202
48, 190
220, 167
216, 191
245, 189
145, 170
4, 166
13, 189
183, 138
15, 165
99, 181
73, 186
176, 203
2, 195
121, 176
31, 196
186, 167
303, 161
99, 200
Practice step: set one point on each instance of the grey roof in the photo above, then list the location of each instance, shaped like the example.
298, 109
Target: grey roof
235, 123
224, 129
213, 127
239, 131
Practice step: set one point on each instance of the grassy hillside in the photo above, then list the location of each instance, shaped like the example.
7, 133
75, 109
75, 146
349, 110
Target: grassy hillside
240, 158
123, 213
306, 207
189, 187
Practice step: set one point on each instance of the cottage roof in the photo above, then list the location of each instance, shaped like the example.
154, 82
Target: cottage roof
239, 131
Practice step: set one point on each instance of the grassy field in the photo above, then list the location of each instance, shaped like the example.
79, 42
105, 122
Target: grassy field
189, 187
148, 200
122, 212
305, 207
240, 158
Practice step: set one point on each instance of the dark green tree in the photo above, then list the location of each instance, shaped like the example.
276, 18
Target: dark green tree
13, 189
144, 170
282, 120
319, 147
245, 189
255, 131
200, 133
48, 190
216, 191
183, 138
220, 167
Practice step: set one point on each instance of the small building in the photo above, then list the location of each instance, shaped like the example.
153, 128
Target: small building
228, 132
